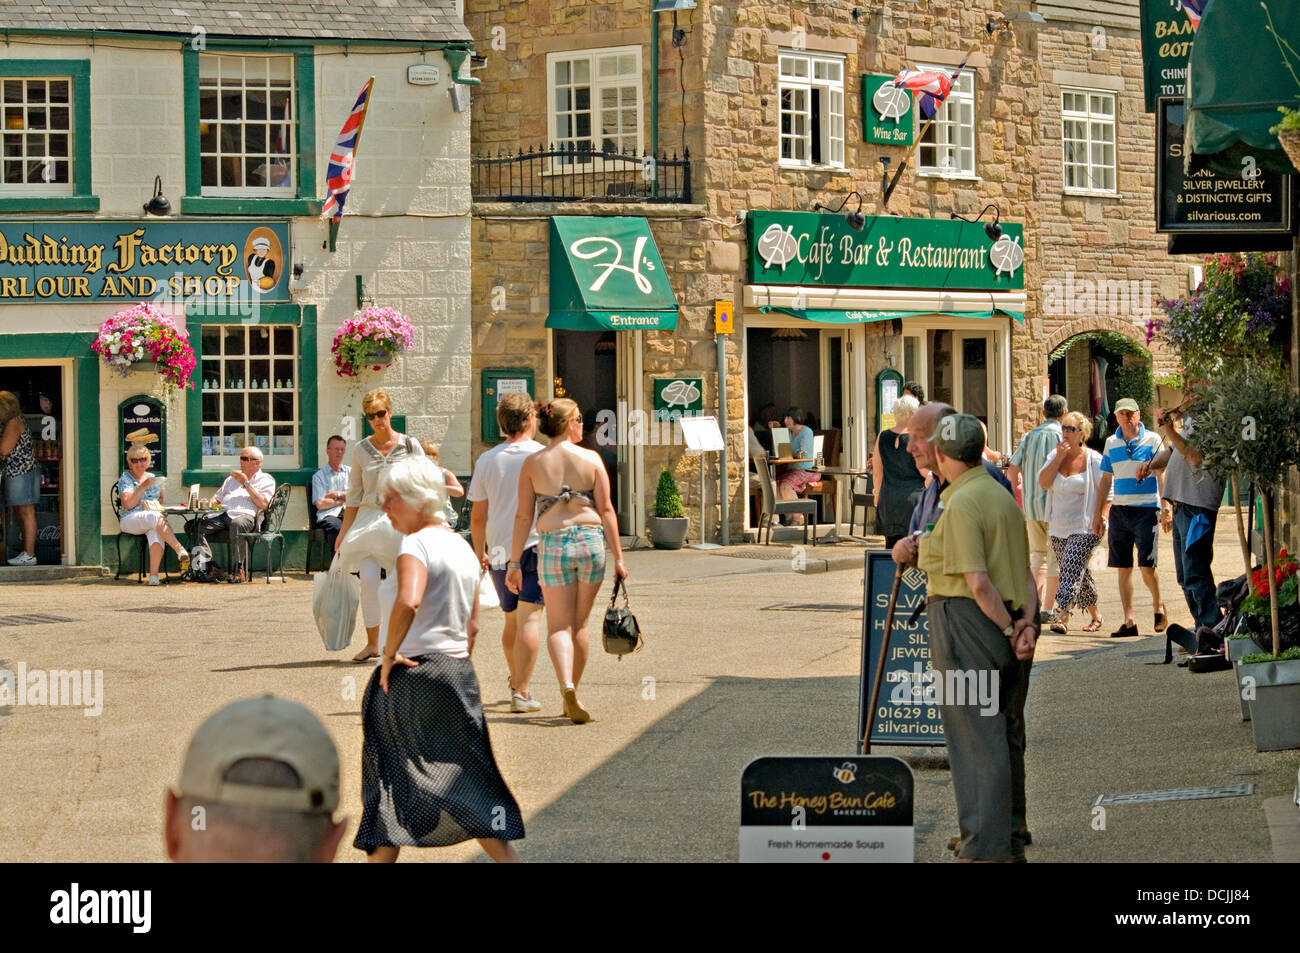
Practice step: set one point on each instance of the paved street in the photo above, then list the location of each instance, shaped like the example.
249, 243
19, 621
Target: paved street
743, 658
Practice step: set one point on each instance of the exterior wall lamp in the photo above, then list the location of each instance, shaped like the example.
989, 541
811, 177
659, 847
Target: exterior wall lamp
993, 229
857, 221
158, 206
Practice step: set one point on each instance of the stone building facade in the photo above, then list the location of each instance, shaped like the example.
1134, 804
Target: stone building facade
763, 137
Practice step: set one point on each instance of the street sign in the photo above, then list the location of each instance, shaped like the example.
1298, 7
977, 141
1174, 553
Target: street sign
827, 809
903, 717
724, 314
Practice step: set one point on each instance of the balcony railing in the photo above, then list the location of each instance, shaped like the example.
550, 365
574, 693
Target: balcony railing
566, 174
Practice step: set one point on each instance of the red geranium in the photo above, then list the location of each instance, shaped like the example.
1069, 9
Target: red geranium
1282, 570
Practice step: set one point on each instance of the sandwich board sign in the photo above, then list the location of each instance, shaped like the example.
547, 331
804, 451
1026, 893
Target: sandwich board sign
827, 809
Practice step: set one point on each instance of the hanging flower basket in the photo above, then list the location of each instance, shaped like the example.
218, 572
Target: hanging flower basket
371, 340
144, 338
1290, 140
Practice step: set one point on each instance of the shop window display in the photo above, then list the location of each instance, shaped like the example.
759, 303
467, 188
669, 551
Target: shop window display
250, 393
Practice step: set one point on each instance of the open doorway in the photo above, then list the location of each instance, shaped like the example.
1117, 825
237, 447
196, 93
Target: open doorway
586, 371
1093, 371
39, 389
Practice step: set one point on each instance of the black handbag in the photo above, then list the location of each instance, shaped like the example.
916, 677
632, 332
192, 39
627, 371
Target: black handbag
621, 633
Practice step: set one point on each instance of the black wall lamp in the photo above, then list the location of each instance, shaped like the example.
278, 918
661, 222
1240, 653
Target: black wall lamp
158, 206
993, 229
857, 221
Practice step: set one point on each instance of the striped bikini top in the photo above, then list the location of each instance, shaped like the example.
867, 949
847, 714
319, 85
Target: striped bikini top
545, 501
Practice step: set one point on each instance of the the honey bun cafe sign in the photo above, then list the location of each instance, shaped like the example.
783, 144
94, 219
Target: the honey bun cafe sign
805, 248
90, 261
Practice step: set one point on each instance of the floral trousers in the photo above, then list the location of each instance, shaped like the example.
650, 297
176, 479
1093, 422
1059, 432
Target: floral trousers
1077, 587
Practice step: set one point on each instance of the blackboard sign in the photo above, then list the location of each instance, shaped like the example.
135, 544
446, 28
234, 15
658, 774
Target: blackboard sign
143, 422
826, 809
1252, 202
902, 716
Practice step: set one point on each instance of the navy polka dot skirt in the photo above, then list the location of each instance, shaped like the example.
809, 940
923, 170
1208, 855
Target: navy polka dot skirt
428, 777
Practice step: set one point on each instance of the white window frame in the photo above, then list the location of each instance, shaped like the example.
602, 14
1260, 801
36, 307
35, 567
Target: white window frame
21, 112
1093, 122
830, 109
598, 132
946, 128
271, 460
286, 123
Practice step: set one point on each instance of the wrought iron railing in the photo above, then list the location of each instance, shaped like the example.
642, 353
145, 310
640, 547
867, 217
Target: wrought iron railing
566, 174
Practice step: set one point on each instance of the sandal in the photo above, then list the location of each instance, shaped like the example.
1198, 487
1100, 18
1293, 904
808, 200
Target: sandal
1093, 626
1161, 621
364, 656
1062, 624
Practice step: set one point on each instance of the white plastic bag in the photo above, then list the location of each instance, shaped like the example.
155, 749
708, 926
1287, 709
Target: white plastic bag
487, 592
335, 597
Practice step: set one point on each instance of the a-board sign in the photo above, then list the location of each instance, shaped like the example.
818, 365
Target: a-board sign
1253, 202
827, 809
702, 433
902, 717
143, 423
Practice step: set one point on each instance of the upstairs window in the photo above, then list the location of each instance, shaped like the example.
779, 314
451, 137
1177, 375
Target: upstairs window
247, 125
948, 146
1088, 141
37, 136
595, 102
812, 109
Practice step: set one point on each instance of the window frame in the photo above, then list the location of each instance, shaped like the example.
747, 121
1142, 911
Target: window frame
954, 98
1088, 117
597, 134
82, 198
304, 200
809, 84
304, 318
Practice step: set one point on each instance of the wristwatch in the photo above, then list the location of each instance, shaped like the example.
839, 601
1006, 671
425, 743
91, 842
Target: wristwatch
514, 564
1010, 630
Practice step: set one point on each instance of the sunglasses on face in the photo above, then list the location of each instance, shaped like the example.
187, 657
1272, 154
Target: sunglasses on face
139, 460
1069, 430
378, 414
248, 458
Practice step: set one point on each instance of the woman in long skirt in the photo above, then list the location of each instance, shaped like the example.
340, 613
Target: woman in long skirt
428, 776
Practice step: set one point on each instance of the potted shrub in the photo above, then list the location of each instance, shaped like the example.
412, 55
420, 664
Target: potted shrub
371, 339
669, 523
144, 338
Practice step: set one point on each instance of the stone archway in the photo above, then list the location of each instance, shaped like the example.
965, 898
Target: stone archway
1112, 348
1097, 323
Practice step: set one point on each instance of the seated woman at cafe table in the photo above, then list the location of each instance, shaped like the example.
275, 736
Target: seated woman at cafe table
794, 478
140, 493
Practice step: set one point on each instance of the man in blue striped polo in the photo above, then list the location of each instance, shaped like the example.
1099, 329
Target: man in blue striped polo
1135, 512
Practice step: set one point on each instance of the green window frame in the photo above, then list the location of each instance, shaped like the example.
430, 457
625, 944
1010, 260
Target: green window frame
304, 318
82, 199
305, 201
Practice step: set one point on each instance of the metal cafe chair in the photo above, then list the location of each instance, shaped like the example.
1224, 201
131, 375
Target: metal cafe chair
772, 507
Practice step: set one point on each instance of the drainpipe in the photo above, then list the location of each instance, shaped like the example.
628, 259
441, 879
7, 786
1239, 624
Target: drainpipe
654, 94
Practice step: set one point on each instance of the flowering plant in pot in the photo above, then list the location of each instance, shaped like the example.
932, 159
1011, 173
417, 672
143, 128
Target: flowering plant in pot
371, 339
143, 335
669, 524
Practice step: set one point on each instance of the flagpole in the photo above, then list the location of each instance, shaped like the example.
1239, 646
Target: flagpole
356, 144
889, 188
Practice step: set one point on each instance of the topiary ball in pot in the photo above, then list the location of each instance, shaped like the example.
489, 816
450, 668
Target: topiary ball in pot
669, 524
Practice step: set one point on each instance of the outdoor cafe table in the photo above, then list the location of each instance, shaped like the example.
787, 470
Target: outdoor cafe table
841, 498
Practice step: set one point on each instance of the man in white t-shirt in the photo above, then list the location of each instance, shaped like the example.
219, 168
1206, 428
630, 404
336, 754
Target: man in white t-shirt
243, 494
494, 492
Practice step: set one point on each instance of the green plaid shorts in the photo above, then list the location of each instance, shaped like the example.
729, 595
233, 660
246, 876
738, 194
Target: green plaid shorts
569, 555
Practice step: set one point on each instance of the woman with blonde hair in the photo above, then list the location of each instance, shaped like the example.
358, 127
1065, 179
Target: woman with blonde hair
21, 474
897, 483
367, 541
141, 495
1071, 475
569, 488
428, 775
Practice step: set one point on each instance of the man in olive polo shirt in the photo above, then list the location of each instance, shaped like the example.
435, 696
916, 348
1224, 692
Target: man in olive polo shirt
981, 606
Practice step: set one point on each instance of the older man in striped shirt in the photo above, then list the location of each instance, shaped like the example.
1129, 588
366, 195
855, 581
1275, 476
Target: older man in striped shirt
1029, 458
1135, 512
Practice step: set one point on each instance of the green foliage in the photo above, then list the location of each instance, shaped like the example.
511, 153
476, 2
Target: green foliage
1247, 425
1110, 340
668, 502
1289, 655
1290, 120
1172, 381
1135, 380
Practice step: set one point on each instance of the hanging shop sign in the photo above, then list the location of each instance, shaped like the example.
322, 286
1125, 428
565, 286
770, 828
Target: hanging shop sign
886, 112
1253, 202
42, 262
1168, 30
806, 248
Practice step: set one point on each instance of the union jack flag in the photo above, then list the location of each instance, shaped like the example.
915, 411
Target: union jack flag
931, 88
338, 175
1193, 9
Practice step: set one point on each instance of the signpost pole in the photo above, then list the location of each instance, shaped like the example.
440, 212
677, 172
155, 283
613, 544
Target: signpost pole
722, 425
703, 544
880, 663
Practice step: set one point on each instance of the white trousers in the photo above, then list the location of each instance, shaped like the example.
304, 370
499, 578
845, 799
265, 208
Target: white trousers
142, 523
369, 572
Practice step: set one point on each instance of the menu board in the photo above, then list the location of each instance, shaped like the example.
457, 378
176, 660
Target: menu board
143, 423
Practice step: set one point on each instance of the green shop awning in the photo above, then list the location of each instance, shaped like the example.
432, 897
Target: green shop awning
606, 274
842, 316
1237, 77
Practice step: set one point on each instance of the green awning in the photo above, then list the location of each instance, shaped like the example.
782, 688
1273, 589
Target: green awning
606, 274
853, 316
1237, 77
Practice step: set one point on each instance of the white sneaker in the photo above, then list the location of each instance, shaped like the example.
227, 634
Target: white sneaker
22, 559
521, 704
155, 581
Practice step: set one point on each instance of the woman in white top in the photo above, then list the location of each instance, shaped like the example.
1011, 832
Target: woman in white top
1071, 475
428, 776
367, 541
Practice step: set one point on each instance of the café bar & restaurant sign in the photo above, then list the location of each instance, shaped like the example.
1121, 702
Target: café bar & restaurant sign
72, 261
806, 248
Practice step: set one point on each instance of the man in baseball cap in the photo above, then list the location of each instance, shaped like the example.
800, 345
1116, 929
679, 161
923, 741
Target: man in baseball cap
260, 783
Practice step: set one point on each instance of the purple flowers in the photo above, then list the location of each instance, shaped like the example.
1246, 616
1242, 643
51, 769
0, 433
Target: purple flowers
372, 330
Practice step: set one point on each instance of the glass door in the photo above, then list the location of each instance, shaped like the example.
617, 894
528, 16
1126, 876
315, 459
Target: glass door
973, 377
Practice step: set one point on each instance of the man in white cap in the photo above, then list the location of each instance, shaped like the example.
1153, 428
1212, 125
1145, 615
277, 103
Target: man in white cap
260, 783
259, 265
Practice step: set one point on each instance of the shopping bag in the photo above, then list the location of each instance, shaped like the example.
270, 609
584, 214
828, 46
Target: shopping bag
487, 592
335, 597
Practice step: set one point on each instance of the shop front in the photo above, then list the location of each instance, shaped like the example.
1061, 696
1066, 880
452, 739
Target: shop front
835, 315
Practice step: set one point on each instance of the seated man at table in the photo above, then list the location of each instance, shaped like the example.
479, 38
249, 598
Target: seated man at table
244, 494
329, 490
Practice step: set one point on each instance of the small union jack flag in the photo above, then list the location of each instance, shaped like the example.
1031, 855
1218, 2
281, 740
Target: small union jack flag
338, 175
1193, 9
931, 88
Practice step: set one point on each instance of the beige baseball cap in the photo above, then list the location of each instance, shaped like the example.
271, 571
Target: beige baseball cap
1127, 403
270, 728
